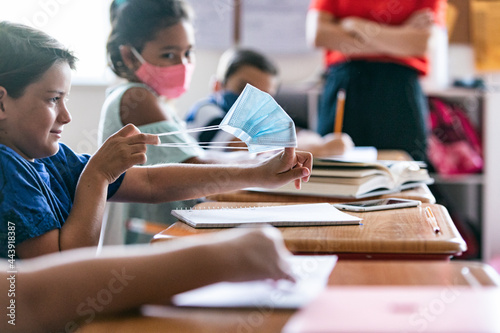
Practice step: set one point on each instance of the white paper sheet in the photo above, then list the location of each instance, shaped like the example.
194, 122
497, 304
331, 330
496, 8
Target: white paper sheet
357, 154
311, 273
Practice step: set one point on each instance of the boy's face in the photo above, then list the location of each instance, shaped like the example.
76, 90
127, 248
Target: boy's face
257, 78
172, 46
32, 124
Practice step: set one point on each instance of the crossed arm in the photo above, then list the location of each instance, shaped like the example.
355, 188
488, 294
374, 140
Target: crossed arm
356, 36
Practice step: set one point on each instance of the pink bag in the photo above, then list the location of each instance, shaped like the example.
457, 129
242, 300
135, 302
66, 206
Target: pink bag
454, 147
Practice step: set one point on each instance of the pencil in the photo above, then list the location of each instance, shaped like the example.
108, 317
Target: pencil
339, 114
429, 216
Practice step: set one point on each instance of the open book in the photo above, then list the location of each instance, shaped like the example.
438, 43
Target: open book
346, 179
285, 215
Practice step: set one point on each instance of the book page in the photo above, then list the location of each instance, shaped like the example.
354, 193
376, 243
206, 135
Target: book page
404, 172
357, 154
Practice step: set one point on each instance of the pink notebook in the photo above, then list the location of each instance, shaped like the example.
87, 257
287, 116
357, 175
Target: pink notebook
400, 309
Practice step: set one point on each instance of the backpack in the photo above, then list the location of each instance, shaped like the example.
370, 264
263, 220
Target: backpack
454, 146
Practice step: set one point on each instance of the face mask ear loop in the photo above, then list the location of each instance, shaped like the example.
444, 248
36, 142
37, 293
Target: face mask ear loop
137, 55
191, 130
206, 145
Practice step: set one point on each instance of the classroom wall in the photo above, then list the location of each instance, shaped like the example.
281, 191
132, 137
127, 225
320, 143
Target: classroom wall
86, 99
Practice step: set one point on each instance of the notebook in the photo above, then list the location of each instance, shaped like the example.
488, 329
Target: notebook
311, 274
316, 214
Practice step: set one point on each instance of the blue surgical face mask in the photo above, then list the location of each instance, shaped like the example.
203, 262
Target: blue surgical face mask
259, 121
225, 99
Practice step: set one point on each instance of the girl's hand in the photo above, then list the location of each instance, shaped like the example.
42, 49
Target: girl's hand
284, 167
121, 151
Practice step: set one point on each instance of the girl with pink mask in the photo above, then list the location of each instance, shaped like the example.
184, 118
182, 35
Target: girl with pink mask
151, 47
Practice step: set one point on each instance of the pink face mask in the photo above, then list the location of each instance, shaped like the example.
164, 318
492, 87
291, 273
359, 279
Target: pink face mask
168, 81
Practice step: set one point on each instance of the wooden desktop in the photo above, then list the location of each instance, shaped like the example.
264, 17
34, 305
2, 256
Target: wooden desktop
345, 273
388, 234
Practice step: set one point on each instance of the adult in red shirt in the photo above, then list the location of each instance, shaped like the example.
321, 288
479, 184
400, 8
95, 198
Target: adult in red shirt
376, 51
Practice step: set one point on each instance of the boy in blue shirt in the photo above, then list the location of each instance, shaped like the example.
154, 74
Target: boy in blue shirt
55, 198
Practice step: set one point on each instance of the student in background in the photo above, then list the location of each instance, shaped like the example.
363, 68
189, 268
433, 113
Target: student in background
151, 46
59, 293
236, 68
376, 50
53, 199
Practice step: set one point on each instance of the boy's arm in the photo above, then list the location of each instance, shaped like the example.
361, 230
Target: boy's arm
83, 225
134, 276
185, 181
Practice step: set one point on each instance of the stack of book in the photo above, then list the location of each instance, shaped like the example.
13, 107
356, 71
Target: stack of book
352, 179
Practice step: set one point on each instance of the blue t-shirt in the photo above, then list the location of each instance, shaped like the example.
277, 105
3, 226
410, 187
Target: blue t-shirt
36, 197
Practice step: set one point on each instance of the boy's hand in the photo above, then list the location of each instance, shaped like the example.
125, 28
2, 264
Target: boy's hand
254, 254
285, 167
121, 151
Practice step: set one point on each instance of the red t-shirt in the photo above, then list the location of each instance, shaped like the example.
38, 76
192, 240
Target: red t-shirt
391, 12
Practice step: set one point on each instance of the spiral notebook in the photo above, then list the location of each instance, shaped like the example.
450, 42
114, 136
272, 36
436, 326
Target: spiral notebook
280, 216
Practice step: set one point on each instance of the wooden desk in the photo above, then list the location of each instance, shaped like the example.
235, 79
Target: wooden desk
388, 234
345, 273
413, 273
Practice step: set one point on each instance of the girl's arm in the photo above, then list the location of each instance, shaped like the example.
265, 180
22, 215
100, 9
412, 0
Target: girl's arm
173, 182
54, 292
356, 36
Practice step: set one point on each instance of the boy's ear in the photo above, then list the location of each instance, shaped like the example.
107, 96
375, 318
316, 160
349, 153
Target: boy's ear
128, 57
216, 85
3, 94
